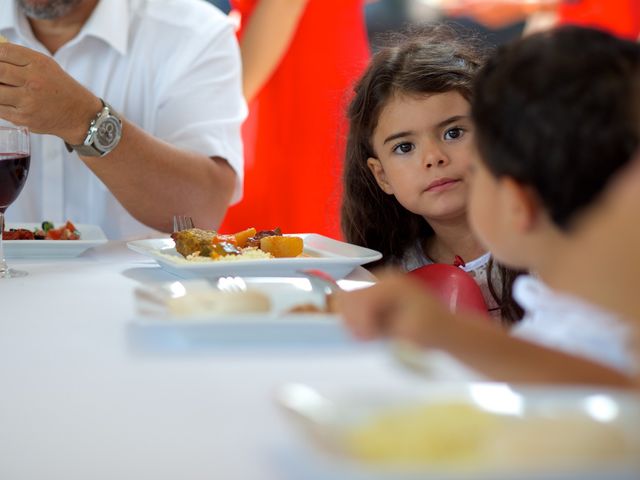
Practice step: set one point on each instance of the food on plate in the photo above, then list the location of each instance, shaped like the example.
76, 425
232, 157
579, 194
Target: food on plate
282, 247
3, 39
306, 308
437, 433
197, 244
459, 434
213, 302
254, 240
243, 236
47, 231
193, 240
330, 306
18, 234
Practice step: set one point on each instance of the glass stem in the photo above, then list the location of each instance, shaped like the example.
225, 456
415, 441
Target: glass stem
3, 262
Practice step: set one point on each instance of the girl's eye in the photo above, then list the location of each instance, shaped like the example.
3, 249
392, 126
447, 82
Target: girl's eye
453, 133
403, 148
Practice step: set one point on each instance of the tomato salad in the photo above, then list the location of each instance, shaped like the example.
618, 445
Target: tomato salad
47, 232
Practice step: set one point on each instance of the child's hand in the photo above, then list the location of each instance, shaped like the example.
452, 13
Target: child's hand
396, 306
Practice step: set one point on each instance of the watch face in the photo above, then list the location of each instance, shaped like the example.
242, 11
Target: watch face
107, 133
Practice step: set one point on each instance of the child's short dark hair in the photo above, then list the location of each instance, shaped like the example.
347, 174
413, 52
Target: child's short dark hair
559, 111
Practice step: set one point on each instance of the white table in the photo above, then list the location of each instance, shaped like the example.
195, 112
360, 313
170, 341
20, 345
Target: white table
79, 401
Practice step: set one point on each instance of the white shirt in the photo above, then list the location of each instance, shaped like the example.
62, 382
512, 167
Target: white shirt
172, 67
571, 325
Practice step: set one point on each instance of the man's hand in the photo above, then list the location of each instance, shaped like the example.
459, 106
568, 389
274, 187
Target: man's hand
35, 92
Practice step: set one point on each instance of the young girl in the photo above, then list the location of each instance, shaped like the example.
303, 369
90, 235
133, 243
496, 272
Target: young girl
547, 154
409, 148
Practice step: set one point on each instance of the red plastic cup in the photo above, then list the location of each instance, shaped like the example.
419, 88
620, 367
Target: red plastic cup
455, 287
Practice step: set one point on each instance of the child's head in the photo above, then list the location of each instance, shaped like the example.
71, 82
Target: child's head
409, 126
556, 115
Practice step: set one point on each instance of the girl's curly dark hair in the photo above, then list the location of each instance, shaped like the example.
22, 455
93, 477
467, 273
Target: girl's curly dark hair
418, 61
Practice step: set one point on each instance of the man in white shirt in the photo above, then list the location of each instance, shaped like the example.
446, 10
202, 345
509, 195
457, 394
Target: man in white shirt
161, 81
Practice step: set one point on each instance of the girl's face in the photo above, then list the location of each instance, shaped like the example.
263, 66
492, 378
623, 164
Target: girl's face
424, 146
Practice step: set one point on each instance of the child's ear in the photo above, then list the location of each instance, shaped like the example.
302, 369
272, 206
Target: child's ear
378, 173
523, 205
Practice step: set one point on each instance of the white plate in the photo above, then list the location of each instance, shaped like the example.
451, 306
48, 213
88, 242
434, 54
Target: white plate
540, 441
332, 256
90, 236
155, 321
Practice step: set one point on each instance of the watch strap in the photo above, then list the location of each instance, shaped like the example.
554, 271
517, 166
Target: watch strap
84, 150
87, 148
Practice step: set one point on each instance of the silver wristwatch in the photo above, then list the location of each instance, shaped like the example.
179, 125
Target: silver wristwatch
103, 135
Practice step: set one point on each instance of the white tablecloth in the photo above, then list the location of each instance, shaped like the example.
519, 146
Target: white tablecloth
80, 400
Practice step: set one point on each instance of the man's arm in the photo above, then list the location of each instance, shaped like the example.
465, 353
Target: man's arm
151, 178
155, 180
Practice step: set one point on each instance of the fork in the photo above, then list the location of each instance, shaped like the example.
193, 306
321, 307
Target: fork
182, 222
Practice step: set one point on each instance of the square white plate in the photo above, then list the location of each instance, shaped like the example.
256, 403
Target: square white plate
90, 236
154, 319
540, 442
332, 256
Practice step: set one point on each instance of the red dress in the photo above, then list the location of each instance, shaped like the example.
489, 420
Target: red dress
620, 17
294, 136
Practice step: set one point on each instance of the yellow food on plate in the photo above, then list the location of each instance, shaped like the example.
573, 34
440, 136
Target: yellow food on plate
436, 434
243, 236
3, 39
282, 247
463, 436
215, 302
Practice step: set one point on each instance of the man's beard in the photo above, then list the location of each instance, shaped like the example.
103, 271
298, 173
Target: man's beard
47, 10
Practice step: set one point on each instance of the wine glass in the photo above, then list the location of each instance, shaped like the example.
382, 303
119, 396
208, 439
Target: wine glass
15, 157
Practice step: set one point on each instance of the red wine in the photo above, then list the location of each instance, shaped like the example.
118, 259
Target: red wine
14, 168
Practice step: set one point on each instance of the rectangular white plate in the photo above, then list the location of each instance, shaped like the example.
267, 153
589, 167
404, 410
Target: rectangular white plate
325, 416
90, 236
332, 256
155, 325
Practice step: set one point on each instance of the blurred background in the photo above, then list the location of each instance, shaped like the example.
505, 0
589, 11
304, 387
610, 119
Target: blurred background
388, 15
300, 63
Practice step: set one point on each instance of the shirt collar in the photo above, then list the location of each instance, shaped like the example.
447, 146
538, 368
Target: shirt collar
108, 22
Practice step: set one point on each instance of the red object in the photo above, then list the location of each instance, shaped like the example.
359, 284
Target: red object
458, 261
294, 136
18, 234
65, 232
620, 17
455, 287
